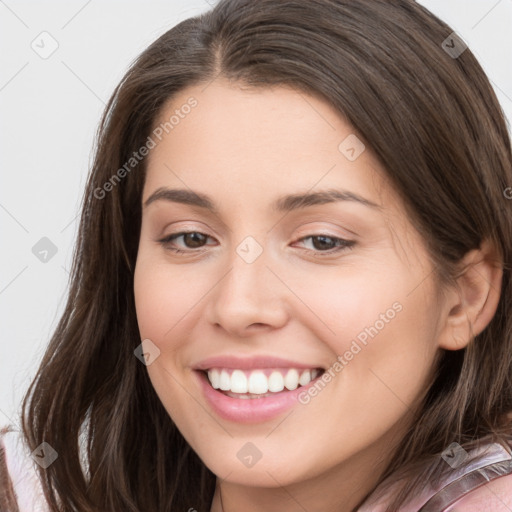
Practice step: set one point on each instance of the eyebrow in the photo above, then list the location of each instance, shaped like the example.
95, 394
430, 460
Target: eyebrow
282, 204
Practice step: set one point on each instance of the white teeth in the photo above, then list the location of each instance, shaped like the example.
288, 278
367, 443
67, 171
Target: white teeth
275, 382
225, 381
256, 382
305, 378
238, 382
291, 380
214, 377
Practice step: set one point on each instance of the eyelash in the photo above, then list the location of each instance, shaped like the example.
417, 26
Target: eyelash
343, 244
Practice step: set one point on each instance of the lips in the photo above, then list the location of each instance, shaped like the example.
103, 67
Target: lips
252, 363
249, 408
254, 389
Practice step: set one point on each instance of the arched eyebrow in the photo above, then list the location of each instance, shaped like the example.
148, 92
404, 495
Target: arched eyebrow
282, 204
297, 201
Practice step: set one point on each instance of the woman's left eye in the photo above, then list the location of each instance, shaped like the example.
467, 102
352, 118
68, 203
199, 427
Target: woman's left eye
335, 244
322, 244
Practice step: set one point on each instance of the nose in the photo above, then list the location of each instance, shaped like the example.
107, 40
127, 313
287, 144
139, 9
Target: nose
248, 297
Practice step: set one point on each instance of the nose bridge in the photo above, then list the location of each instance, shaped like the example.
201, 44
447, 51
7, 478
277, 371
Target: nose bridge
249, 293
248, 279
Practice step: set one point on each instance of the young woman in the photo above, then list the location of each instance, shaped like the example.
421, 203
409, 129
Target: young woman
291, 288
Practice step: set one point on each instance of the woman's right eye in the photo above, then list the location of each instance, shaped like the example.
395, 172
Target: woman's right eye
194, 238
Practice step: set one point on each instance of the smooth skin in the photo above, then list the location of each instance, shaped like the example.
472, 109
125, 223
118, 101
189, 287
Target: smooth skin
245, 148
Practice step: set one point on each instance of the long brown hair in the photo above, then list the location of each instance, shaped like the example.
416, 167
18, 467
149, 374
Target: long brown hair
436, 125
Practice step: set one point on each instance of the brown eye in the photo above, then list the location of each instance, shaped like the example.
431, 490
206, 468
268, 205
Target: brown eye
327, 244
194, 239
191, 240
323, 242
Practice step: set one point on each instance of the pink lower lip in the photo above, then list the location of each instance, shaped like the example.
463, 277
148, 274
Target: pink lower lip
254, 410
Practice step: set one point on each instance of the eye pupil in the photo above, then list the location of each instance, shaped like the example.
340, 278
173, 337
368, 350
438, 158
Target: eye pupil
323, 244
199, 237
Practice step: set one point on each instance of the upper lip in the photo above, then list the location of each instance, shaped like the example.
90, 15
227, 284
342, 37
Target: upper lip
250, 363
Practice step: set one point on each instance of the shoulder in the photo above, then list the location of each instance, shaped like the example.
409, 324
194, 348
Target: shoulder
494, 496
20, 488
484, 484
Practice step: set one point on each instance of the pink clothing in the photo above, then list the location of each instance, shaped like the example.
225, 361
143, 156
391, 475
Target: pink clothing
465, 488
461, 491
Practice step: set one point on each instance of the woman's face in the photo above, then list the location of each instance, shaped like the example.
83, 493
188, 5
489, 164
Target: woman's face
269, 288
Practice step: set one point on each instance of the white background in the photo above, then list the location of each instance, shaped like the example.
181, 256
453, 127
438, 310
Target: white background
50, 109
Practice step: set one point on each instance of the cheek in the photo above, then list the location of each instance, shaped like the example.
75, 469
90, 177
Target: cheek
384, 347
381, 331
161, 299
351, 306
391, 350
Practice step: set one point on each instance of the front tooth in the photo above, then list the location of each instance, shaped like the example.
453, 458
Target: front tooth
224, 381
214, 377
305, 378
275, 382
258, 383
238, 382
291, 379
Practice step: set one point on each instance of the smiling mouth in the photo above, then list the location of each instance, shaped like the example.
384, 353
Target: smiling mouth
260, 383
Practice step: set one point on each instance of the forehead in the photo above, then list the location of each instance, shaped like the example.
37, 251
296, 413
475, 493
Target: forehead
258, 142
